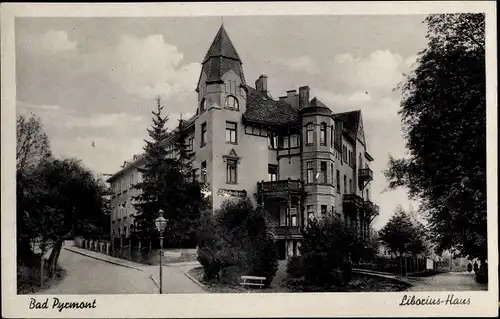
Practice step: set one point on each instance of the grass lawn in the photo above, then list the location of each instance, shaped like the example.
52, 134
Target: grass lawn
28, 279
359, 283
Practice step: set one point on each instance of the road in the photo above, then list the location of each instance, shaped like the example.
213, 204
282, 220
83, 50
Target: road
86, 275
453, 281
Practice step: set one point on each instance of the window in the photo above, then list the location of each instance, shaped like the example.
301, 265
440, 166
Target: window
310, 133
273, 141
323, 173
203, 172
232, 102
231, 132
272, 171
310, 172
345, 184
310, 211
231, 176
360, 161
114, 231
284, 142
322, 136
139, 177
344, 154
293, 220
131, 179
125, 231
338, 181
203, 134
323, 210
190, 144
294, 141
331, 136
368, 195
351, 190
203, 105
332, 172
119, 231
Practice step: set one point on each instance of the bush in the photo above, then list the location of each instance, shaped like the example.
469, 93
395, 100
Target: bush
236, 237
231, 275
294, 267
482, 274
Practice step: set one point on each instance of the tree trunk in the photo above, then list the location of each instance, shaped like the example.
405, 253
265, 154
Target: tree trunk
54, 256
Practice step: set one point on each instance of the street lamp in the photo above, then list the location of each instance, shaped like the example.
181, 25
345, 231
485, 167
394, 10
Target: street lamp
160, 224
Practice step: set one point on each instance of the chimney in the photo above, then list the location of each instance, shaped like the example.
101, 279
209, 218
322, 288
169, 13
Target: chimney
261, 84
303, 96
291, 98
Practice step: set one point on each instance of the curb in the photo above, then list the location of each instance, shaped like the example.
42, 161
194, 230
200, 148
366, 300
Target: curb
102, 259
154, 281
195, 281
388, 277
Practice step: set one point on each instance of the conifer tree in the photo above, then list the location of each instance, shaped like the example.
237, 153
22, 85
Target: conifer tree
148, 201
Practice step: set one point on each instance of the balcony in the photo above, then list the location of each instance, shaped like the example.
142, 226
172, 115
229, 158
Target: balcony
352, 199
365, 175
280, 187
281, 232
370, 210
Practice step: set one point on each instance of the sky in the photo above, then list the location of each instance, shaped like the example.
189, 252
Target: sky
93, 81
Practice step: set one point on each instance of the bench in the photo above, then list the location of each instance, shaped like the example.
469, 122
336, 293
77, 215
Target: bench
252, 281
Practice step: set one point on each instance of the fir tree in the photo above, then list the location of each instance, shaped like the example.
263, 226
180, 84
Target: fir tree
151, 188
185, 200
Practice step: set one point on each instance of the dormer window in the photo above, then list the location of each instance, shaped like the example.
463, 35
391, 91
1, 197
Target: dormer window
232, 103
203, 105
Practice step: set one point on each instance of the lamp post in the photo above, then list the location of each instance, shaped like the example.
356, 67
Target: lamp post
160, 224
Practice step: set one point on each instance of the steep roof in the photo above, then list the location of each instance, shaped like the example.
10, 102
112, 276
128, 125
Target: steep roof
351, 122
220, 58
264, 110
222, 47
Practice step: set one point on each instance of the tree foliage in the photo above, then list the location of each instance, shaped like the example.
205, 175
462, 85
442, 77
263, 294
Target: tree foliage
443, 111
169, 183
32, 144
236, 237
403, 235
154, 175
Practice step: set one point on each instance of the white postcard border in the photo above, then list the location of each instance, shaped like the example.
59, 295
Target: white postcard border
239, 305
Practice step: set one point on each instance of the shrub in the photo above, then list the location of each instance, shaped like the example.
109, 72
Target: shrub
236, 239
482, 274
469, 267
231, 275
294, 267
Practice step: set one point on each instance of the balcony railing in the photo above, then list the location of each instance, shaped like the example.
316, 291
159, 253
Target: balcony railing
365, 174
285, 231
353, 199
288, 185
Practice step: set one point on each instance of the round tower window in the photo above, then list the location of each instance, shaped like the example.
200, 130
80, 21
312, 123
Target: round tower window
232, 102
203, 105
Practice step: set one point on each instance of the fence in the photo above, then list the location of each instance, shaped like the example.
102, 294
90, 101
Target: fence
397, 265
141, 251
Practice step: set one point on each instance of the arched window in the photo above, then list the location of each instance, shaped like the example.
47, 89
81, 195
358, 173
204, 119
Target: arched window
232, 102
203, 105
310, 133
322, 136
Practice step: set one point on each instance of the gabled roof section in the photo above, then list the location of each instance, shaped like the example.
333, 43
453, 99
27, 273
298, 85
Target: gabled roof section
351, 122
262, 109
316, 103
222, 47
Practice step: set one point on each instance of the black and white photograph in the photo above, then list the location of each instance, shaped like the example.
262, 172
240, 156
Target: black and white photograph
250, 154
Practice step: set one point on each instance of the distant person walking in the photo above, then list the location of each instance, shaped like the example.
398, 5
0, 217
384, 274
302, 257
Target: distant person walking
476, 267
469, 267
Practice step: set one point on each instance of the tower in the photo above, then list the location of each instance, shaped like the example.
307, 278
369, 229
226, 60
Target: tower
221, 102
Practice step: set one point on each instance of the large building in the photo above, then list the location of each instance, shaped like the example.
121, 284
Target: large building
294, 155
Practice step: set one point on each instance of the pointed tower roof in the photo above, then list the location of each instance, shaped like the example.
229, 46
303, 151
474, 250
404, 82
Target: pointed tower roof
221, 57
222, 47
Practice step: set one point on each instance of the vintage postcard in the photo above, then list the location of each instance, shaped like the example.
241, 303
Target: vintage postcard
267, 159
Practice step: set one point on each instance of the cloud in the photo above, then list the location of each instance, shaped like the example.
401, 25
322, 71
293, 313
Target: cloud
382, 70
300, 64
147, 67
52, 41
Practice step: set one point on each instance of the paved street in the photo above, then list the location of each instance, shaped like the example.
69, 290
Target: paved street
90, 276
86, 275
453, 281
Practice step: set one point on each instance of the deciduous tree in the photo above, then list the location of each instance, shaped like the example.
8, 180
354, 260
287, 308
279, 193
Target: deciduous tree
443, 110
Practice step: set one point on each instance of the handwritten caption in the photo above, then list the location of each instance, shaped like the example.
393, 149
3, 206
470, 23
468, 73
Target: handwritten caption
60, 305
450, 300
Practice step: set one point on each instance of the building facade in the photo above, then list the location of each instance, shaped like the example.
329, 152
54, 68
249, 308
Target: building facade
295, 156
